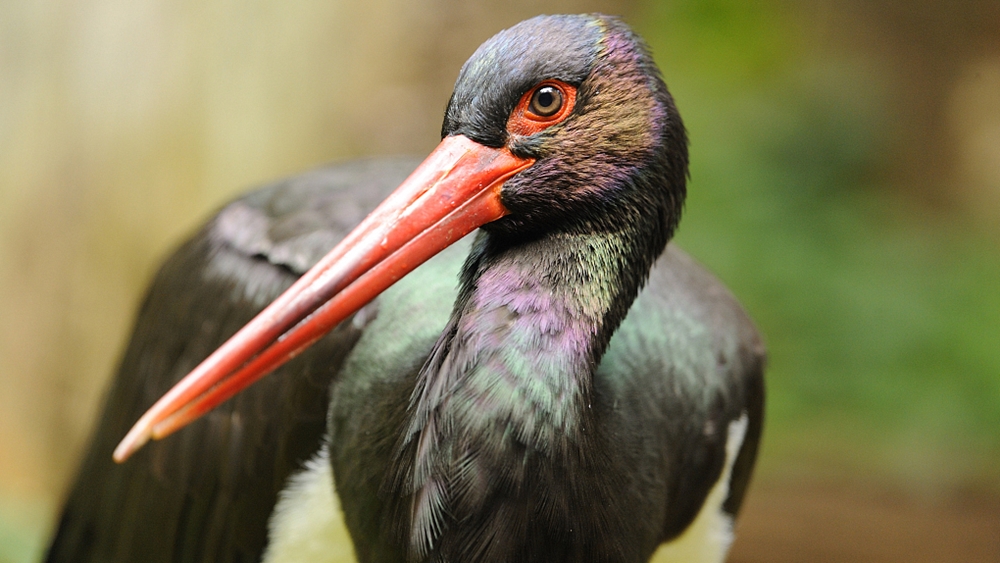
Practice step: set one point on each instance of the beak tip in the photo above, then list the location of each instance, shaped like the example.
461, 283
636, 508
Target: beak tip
122, 453
135, 439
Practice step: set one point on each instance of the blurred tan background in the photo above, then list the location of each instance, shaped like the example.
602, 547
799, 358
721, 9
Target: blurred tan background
845, 183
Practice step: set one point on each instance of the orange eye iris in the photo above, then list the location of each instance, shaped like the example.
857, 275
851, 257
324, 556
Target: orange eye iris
548, 103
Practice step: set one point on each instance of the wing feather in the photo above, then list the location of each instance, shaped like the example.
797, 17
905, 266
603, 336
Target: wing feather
205, 494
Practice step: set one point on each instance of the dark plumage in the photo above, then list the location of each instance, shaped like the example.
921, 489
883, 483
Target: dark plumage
549, 408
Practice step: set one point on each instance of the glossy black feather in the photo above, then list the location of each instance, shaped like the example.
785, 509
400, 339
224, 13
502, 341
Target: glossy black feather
684, 364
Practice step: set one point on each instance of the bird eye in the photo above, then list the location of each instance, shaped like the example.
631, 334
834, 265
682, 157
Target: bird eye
546, 101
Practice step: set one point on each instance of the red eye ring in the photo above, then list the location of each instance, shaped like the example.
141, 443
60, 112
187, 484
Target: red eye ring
525, 121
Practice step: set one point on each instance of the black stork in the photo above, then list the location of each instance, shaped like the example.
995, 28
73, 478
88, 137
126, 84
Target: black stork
575, 389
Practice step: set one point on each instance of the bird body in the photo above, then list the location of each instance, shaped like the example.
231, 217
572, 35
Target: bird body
554, 387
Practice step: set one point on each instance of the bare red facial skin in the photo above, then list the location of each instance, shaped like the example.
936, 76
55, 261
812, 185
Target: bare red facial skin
524, 121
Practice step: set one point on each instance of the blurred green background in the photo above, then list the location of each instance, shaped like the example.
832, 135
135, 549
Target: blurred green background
845, 183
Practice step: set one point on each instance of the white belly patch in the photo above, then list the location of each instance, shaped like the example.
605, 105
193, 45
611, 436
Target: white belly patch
709, 536
307, 525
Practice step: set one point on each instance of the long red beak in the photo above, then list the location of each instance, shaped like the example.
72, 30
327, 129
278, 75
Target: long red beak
454, 191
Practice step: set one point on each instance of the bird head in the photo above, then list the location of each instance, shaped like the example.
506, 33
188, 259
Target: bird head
581, 96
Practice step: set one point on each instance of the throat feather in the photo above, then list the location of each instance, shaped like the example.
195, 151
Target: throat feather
508, 383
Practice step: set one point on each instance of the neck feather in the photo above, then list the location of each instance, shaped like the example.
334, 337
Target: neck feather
510, 378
